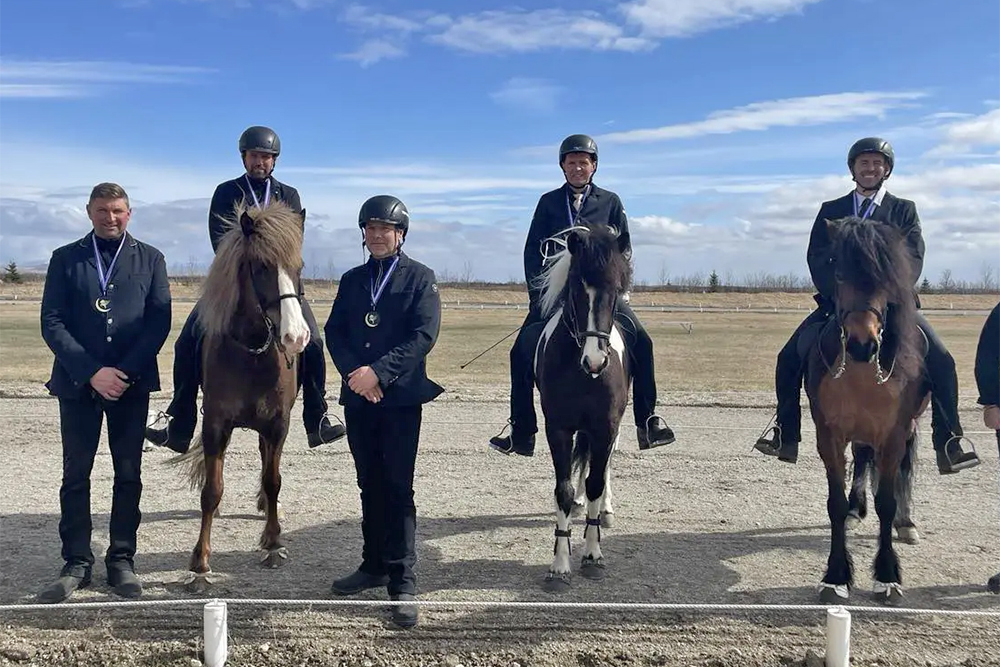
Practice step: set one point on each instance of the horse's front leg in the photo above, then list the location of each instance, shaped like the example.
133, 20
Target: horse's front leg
888, 578
561, 446
836, 585
215, 437
607, 509
592, 563
274, 552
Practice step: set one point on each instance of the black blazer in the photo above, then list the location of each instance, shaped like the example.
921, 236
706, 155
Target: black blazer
227, 194
552, 215
409, 321
988, 360
128, 337
900, 212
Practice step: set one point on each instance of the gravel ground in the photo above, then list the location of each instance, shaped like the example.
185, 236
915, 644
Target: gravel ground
701, 521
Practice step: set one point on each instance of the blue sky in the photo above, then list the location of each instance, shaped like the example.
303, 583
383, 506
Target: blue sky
723, 124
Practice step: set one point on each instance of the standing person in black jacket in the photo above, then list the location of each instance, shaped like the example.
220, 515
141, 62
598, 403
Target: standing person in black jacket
105, 315
988, 370
870, 161
259, 147
384, 322
578, 200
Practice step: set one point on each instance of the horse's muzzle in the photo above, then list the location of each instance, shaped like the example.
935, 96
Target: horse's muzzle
861, 352
595, 366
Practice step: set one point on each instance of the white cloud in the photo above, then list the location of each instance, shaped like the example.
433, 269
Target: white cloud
970, 132
528, 94
681, 18
790, 112
373, 51
363, 17
68, 78
522, 31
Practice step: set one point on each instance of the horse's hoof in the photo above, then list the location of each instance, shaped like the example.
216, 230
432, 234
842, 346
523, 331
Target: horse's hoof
607, 519
556, 582
577, 510
993, 585
592, 568
908, 534
890, 594
834, 594
274, 558
197, 583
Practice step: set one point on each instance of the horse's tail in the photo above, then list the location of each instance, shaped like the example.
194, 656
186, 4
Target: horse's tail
194, 458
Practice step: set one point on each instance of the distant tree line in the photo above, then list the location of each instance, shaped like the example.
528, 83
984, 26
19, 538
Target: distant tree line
699, 281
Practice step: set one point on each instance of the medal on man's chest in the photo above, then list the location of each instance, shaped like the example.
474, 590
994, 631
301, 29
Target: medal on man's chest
376, 287
103, 303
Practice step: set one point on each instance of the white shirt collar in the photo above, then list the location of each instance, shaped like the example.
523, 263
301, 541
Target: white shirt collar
877, 197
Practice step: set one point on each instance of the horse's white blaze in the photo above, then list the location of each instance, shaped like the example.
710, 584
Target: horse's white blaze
594, 358
294, 330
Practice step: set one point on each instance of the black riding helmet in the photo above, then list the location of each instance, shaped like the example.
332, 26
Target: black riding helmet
577, 143
260, 138
387, 209
871, 145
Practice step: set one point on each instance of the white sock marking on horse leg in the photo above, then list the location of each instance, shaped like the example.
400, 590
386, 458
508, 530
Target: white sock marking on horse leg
560, 561
294, 330
606, 507
592, 545
580, 498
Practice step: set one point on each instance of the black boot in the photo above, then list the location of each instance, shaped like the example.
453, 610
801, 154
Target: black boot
951, 458
517, 442
405, 615
325, 433
70, 579
785, 448
358, 581
124, 582
655, 434
175, 434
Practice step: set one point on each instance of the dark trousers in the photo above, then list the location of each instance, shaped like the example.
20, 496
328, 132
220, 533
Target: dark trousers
940, 370
80, 423
383, 442
522, 376
187, 375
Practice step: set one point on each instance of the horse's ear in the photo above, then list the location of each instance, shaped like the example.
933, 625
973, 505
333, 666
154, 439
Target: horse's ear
246, 222
574, 242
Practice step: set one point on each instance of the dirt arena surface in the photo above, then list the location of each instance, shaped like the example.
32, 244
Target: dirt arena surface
701, 521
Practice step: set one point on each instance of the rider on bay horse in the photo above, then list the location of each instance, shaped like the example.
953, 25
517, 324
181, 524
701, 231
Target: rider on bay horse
259, 148
576, 201
870, 161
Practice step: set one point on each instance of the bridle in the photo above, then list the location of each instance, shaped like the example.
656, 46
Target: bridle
881, 377
272, 329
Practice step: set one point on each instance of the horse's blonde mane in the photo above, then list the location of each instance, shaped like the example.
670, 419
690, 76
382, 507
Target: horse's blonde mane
276, 242
552, 281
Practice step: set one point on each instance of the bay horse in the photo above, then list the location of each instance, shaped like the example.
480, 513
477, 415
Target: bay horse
582, 374
866, 384
863, 474
253, 329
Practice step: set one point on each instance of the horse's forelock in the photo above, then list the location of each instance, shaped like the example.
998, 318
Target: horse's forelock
597, 261
276, 241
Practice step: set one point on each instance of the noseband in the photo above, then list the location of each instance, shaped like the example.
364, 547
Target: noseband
881, 377
269, 325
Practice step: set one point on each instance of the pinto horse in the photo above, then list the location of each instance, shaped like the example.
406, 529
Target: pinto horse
253, 330
866, 384
582, 374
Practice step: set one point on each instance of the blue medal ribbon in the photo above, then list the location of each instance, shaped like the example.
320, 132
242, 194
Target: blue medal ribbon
376, 293
102, 276
267, 192
574, 216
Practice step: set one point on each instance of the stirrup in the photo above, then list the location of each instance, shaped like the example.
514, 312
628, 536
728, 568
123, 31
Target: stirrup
165, 417
768, 447
970, 463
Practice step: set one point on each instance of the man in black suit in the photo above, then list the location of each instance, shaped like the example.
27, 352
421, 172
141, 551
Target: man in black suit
870, 161
577, 200
259, 148
105, 315
383, 323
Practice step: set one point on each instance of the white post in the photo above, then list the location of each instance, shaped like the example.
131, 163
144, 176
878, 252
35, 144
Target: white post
838, 637
216, 633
